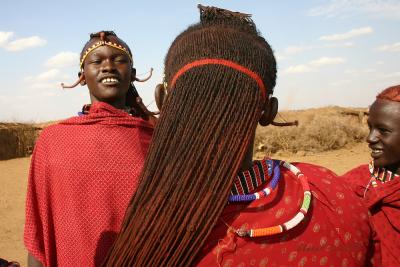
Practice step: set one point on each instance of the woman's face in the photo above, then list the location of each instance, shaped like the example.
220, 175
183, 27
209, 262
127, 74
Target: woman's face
384, 134
108, 74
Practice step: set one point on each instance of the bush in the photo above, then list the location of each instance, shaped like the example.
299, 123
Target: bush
319, 130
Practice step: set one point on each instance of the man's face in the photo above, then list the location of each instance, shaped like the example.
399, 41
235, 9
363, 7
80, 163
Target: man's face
384, 134
108, 73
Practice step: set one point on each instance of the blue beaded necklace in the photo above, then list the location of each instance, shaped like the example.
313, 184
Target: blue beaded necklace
249, 180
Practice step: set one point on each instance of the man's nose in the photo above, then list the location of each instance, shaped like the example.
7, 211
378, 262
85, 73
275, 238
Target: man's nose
107, 65
373, 136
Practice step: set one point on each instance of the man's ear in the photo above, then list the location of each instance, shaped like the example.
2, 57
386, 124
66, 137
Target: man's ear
81, 76
133, 75
269, 112
160, 95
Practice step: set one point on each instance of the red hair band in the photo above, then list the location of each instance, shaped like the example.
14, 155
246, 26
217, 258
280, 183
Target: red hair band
224, 62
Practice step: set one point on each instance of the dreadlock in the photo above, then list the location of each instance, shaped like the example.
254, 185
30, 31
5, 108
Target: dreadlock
204, 131
392, 93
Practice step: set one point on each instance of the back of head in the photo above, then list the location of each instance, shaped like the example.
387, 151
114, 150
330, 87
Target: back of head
214, 72
222, 34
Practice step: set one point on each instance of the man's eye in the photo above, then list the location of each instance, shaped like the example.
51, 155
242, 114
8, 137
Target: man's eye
384, 130
121, 60
95, 61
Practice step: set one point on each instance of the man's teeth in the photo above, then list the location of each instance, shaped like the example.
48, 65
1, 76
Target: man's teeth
376, 150
109, 80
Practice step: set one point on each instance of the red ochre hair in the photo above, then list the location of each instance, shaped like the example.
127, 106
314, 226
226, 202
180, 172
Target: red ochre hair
392, 93
205, 128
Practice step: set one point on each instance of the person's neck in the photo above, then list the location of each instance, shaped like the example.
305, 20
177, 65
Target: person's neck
247, 162
118, 104
395, 169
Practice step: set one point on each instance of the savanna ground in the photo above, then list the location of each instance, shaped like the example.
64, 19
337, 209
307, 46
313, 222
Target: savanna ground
332, 137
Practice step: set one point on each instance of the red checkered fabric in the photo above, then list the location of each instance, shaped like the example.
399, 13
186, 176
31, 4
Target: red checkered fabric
83, 173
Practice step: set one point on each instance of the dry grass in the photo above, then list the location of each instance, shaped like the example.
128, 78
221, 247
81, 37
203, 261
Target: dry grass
319, 130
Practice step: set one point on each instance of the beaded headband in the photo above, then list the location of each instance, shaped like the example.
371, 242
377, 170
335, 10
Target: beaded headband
224, 62
101, 43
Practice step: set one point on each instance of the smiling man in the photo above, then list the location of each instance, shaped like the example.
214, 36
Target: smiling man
379, 183
84, 169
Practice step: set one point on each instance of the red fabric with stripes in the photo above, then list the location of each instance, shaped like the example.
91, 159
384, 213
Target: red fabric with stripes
383, 202
83, 173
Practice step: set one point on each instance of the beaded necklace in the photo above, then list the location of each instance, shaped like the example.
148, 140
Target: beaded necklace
380, 175
249, 180
277, 229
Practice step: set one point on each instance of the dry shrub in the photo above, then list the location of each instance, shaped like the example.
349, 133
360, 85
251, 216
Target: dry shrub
17, 139
319, 130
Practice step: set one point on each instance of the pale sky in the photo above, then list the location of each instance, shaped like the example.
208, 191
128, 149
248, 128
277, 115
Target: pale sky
333, 52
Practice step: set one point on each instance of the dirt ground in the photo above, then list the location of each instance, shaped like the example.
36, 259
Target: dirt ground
13, 179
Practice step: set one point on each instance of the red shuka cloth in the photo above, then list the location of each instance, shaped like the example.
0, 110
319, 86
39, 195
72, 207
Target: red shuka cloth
335, 231
83, 173
383, 202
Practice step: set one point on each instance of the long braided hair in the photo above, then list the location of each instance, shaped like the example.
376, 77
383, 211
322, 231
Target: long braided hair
199, 143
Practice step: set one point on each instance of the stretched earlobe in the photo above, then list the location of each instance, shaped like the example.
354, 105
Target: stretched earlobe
160, 94
133, 75
145, 79
269, 113
82, 78
81, 81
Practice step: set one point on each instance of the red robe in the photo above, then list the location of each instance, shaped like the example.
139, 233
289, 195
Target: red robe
335, 232
82, 176
383, 202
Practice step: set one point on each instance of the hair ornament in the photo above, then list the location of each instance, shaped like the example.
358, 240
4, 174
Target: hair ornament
165, 84
101, 43
224, 62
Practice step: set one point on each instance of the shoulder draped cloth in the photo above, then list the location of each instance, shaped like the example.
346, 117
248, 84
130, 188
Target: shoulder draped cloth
83, 173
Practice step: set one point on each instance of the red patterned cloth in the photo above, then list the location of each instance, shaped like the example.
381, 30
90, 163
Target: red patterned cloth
335, 231
83, 173
383, 202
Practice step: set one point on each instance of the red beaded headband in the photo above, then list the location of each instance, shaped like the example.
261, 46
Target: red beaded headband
228, 63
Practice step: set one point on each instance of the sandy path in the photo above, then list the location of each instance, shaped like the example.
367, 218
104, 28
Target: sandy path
13, 178
339, 161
